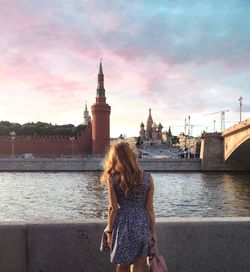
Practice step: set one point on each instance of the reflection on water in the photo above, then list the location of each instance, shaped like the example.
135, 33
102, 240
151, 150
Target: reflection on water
51, 196
237, 187
202, 194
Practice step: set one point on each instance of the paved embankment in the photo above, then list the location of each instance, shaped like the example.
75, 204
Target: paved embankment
188, 244
93, 164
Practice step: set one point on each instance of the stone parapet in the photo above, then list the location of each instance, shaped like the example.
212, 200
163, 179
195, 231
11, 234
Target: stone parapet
237, 128
188, 244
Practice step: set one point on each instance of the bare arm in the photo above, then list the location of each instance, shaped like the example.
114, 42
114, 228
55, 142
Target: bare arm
150, 208
113, 206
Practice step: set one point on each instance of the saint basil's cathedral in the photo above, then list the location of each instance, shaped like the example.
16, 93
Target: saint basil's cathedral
153, 134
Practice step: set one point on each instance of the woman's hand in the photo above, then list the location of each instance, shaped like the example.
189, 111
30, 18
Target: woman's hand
154, 237
109, 239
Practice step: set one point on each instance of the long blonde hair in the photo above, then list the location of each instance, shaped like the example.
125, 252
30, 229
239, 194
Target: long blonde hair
121, 159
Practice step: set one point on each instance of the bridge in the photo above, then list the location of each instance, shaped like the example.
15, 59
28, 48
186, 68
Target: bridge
227, 150
237, 142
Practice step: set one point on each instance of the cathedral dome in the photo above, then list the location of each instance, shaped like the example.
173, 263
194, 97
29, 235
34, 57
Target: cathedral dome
154, 126
160, 126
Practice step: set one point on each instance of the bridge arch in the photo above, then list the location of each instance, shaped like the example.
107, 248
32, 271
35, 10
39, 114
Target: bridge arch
236, 147
237, 142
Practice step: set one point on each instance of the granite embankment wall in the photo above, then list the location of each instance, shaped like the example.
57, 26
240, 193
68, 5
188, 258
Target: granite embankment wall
92, 164
188, 245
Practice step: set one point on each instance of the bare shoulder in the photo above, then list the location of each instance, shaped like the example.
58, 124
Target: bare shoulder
151, 181
150, 178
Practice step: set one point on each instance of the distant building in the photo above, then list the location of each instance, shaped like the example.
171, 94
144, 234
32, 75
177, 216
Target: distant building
167, 137
153, 135
190, 143
86, 117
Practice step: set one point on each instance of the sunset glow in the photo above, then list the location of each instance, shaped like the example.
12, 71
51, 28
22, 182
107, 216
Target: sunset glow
178, 57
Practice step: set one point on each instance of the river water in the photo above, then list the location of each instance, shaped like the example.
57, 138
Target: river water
75, 195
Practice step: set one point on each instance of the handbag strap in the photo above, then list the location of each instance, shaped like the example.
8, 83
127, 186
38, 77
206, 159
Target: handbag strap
154, 248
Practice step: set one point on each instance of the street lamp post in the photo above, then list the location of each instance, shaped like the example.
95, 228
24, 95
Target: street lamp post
185, 126
240, 99
188, 125
12, 137
72, 139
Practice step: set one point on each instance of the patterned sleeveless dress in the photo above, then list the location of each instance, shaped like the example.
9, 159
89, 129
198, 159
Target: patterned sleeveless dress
131, 233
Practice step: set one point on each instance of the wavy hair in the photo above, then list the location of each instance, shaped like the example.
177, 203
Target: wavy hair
121, 160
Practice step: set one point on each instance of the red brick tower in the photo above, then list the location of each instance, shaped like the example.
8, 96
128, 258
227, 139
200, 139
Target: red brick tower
100, 118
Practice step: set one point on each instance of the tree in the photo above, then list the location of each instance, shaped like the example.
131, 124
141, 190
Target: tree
39, 128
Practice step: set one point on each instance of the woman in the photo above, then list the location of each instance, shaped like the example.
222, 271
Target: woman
131, 219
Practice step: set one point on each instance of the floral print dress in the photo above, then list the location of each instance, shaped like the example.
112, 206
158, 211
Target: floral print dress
131, 232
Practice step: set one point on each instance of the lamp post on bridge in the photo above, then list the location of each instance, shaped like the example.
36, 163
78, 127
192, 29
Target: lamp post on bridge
240, 99
12, 137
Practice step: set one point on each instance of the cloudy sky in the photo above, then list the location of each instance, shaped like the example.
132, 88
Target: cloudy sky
178, 57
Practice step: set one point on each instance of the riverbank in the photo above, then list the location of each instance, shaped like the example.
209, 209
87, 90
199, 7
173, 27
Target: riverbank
188, 244
93, 164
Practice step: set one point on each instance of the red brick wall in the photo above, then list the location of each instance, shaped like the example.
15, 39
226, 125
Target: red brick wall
49, 145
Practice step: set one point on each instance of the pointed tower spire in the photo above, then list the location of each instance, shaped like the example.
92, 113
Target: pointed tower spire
149, 121
100, 92
100, 68
149, 125
86, 117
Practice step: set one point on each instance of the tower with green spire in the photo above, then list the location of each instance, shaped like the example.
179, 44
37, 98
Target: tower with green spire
100, 91
100, 118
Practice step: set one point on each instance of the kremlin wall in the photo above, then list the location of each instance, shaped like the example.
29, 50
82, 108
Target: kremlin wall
93, 139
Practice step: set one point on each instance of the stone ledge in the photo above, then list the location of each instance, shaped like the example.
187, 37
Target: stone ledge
188, 244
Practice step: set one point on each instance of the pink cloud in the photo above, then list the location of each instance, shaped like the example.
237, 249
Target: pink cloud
51, 51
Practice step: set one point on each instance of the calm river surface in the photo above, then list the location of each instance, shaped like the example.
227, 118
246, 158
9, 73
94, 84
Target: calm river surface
74, 195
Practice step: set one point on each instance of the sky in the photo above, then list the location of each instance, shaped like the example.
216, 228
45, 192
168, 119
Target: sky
179, 58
